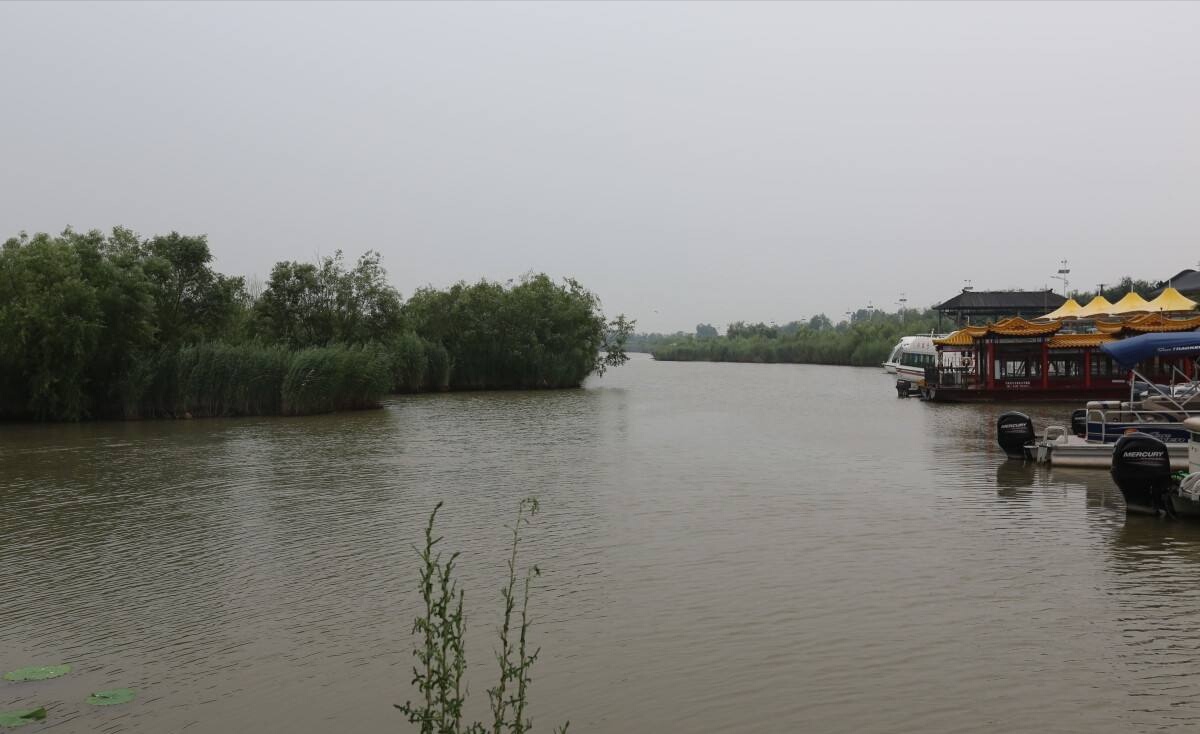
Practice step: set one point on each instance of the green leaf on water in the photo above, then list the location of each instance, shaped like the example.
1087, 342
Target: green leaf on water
13, 719
111, 698
43, 673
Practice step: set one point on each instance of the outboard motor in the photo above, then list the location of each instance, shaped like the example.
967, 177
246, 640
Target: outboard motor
1079, 422
1013, 431
1141, 468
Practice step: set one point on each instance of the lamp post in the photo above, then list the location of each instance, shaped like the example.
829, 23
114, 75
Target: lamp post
1062, 275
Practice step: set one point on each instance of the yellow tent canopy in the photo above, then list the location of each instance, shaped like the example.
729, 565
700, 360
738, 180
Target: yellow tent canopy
1171, 300
1130, 303
1068, 310
1098, 306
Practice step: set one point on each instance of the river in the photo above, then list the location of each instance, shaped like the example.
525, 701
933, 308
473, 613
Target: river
724, 548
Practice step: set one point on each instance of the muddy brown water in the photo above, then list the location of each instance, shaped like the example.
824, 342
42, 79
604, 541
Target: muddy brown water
725, 548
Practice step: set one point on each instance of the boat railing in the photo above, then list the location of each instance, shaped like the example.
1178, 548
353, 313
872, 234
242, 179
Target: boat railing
1122, 414
952, 376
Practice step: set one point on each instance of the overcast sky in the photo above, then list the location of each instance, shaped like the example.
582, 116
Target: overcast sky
689, 162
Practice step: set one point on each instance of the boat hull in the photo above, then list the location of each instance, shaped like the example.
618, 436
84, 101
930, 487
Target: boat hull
1172, 504
1076, 453
945, 394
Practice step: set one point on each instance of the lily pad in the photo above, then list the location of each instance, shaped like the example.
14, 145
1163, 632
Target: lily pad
13, 719
43, 673
111, 698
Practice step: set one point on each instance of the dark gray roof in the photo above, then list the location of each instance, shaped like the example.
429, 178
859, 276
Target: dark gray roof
1185, 281
1003, 301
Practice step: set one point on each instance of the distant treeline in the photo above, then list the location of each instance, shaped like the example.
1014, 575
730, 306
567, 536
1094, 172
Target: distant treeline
865, 339
119, 326
1117, 290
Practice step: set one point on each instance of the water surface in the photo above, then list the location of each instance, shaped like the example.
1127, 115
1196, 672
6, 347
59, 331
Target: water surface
725, 548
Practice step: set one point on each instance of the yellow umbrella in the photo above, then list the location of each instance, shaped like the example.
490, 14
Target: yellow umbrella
1130, 303
1098, 306
1068, 310
1171, 300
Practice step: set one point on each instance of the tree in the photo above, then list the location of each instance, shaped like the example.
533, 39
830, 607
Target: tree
820, 322
192, 301
706, 331
50, 327
307, 304
535, 333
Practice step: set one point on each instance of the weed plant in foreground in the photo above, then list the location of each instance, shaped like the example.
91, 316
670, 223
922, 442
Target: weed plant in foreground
440, 649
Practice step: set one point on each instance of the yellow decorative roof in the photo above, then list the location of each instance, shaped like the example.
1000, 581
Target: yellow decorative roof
1171, 300
1098, 306
1078, 341
1066, 311
960, 338
1017, 326
1130, 303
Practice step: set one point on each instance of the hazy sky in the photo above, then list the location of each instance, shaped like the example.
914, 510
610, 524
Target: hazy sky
689, 162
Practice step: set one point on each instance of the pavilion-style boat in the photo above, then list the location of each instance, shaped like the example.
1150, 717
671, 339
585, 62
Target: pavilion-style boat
1051, 358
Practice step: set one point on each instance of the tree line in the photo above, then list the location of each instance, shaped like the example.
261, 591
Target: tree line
1117, 290
865, 339
114, 325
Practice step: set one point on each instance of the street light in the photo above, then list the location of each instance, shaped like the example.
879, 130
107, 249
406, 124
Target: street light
1062, 275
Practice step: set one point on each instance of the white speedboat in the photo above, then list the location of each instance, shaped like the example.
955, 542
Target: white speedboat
916, 354
907, 344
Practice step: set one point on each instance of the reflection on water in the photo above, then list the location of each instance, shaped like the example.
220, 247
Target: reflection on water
726, 548
1156, 593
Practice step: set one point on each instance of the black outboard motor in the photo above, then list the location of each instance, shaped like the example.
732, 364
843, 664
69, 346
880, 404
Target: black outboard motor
1079, 422
1013, 431
1141, 468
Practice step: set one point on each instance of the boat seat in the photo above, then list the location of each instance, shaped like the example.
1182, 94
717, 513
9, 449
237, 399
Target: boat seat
1055, 435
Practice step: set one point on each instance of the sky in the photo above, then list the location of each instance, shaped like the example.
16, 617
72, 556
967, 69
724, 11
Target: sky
688, 162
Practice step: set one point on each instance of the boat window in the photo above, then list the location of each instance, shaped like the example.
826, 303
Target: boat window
1102, 366
1066, 367
1020, 369
917, 360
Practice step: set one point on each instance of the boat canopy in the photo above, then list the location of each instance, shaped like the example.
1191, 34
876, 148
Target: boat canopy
1068, 310
1171, 300
1135, 349
1131, 302
1098, 306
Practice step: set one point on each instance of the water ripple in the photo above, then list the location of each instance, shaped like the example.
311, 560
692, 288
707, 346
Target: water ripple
725, 548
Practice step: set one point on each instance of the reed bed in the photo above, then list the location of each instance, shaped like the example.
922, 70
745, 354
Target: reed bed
209, 380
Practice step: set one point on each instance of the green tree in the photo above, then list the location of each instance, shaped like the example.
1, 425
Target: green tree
192, 301
50, 327
307, 304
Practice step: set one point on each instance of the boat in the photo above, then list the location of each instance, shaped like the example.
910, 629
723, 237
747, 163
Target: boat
918, 355
1043, 360
1148, 480
909, 344
1153, 409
